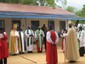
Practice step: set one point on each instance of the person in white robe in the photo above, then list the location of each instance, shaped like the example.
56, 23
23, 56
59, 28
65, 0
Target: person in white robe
81, 37
71, 45
21, 35
29, 39
39, 34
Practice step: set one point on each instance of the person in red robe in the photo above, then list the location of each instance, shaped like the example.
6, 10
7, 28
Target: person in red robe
51, 44
63, 40
3, 46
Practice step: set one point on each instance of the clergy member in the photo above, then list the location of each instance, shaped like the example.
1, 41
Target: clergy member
3, 47
14, 42
71, 51
39, 34
21, 35
51, 44
29, 39
81, 37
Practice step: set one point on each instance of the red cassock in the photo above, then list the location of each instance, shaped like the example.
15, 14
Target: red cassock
62, 44
3, 47
51, 50
38, 48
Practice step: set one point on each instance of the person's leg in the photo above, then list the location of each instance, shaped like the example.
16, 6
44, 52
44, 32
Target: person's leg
1, 62
5, 60
81, 50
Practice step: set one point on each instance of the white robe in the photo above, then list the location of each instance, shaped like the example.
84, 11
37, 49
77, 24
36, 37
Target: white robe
81, 37
30, 47
22, 41
71, 45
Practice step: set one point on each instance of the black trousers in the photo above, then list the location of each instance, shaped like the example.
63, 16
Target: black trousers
81, 50
5, 61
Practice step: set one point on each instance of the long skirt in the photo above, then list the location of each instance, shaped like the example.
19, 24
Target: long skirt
3, 50
51, 54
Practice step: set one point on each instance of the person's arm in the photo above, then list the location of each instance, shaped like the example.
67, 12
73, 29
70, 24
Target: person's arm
57, 38
81, 36
48, 37
32, 32
5, 37
43, 34
66, 34
35, 34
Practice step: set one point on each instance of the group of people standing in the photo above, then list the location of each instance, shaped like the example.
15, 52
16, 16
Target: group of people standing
70, 45
73, 42
18, 43
21, 42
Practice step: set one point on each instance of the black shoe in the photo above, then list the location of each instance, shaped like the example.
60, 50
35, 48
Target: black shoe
30, 52
72, 61
39, 51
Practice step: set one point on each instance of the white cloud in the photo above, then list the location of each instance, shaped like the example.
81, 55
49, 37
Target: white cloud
76, 3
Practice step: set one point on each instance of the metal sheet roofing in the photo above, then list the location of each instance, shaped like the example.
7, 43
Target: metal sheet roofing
31, 8
27, 11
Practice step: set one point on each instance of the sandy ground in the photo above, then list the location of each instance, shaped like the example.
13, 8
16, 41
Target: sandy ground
39, 58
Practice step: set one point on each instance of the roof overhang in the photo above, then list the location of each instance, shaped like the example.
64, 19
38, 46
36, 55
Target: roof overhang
9, 14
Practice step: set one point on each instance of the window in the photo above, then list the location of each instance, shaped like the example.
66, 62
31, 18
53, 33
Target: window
2, 23
62, 25
51, 23
34, 25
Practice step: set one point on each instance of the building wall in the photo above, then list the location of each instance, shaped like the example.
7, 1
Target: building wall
57, 25
27, 22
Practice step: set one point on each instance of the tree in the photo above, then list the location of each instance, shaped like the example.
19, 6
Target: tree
78, 13
83, 11
71, 9
50, 3
32, 2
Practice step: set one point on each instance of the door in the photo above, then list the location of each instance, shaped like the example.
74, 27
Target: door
16, 22
62, 25
34, 25
51, 23
2, 23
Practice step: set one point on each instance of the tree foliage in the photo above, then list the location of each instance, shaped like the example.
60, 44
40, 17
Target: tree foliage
50, 3
83, 11
71, 9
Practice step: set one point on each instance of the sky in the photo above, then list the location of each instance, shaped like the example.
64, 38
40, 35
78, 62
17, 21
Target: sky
76, 3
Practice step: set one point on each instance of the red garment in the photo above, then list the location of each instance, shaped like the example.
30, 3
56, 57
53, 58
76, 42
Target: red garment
3, 47
51, 50
38, 48
62, 44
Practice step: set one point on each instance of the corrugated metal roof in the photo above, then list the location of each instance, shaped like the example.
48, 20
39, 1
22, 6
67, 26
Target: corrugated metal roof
29, 11
37, 15
31, 8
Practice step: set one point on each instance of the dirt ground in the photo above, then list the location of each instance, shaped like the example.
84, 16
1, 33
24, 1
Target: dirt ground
39, 58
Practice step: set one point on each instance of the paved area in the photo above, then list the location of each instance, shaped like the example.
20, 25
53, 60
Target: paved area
39, 58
